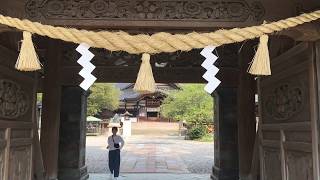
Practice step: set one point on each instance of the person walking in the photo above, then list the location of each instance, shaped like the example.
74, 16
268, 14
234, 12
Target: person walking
115, 144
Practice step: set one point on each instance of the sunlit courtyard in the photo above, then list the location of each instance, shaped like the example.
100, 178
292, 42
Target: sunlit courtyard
155, 150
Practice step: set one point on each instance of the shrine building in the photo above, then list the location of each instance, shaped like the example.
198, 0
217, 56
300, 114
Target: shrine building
144, 107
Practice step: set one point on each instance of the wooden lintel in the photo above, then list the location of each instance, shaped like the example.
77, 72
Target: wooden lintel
10, 53
305, 32
4, 28
228, 76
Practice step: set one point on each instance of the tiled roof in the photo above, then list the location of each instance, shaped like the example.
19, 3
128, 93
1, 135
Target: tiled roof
127, 92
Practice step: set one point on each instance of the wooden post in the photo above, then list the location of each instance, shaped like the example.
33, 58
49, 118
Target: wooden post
72, 150
246, 112
225, 135
50, 120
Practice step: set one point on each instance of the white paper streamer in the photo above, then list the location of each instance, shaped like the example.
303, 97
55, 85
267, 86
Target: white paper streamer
88, 67
212, 70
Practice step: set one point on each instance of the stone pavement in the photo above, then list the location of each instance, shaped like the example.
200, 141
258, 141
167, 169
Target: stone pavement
153, 151
152, 158
152, 176
155, 129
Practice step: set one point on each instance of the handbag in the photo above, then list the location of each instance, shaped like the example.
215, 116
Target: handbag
116, 145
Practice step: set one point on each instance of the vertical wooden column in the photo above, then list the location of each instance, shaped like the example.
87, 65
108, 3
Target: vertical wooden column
73, 134
225, 135
246, 112
50, 120
316, 113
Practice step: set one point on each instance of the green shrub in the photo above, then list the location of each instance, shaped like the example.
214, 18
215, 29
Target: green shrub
191, 104
197, 131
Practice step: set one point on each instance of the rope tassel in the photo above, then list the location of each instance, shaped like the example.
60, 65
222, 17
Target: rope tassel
145, 82
260, 64
28, 59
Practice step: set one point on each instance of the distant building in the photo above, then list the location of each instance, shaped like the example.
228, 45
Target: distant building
143, 106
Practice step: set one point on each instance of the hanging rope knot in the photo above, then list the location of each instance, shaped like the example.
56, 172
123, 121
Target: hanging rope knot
260, 64
145, 58
264, 39
26, 35
28, 59
145, 82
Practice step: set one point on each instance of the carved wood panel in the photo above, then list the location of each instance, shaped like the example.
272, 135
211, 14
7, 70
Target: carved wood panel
272, 164
154, 15
14, 102
299, 165
286, 101
20, 163
17, 112
16, 90
199, 10
2, 160
3, 144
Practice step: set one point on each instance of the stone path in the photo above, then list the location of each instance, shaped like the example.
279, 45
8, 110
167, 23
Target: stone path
153, 152
152, 158
152, 176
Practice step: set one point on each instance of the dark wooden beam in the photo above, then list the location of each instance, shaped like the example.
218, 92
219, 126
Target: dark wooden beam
246, 111
3, 28
228, 76
50, 120
8, 56
305, 32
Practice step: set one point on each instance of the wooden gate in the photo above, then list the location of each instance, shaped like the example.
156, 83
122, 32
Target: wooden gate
17, 120
289, 114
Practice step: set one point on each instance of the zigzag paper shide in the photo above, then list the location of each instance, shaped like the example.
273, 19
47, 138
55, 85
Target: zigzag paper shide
88, 67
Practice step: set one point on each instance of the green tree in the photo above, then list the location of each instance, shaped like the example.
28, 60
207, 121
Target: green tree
102, 96
39, 97
191, 104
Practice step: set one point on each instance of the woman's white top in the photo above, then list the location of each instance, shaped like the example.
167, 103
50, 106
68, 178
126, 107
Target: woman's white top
117, 140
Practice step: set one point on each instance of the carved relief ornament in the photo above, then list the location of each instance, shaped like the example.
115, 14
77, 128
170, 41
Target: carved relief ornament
204, 10
13, 100
285, 101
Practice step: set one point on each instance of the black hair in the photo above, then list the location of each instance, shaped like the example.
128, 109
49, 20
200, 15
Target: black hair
114, 128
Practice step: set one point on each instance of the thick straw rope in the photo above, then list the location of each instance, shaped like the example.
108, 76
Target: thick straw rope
159, 42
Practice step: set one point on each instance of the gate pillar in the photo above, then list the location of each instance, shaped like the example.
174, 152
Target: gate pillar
50, 117
72, 134
225, 135
246, 114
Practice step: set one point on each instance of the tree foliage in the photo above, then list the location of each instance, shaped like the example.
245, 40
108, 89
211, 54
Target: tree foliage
102, 96
191, 104
197, 131
39, 97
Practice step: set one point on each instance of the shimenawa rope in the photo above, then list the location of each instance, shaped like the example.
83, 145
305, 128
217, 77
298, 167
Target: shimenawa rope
156, 43
159, 42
